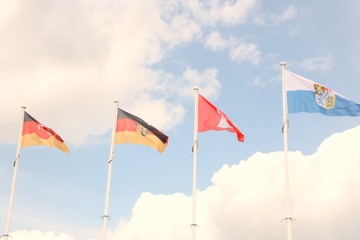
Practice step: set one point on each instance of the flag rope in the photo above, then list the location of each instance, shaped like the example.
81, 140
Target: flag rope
285, 124
16, 160
111, 158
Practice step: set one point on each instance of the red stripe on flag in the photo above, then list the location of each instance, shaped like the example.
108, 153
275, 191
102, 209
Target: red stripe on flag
34, 133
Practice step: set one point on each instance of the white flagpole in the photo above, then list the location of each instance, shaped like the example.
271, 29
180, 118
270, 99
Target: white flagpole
288, 219
16, 165
195, 147
111, 157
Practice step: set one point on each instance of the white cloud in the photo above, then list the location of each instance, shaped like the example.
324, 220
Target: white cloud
183, 85
288, 14
238, 50
67, 62
206, 81
7, 10
246, 52
318, 63
249, 196
235, 12
181, 29
169, 219
215, 41
38, 235
221, 12
263, 82
144, 108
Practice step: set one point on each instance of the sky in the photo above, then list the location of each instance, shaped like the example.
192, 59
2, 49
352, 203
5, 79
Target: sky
68, 61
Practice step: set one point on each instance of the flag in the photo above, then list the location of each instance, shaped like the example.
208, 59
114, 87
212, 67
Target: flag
132, 129
212, 118
34, 133
304, 95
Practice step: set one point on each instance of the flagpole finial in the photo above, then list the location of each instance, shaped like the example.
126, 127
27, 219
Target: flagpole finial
283, 63
196, 88
116, 102
23, 107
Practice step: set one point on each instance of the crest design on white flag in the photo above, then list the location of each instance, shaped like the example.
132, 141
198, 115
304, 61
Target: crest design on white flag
324, 96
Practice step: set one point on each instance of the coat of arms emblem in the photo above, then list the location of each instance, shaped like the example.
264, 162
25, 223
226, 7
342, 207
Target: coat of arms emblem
324, 96
141, 129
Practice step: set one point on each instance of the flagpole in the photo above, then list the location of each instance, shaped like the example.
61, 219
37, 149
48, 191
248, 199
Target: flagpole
111, 157
288, 219
195, 147
16, 165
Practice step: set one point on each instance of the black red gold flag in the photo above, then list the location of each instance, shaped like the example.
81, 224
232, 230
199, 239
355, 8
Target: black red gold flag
132, 129
34, 133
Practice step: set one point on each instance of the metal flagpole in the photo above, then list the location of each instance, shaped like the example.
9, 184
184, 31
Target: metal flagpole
195, 147
111, 157
288, 219
16, 165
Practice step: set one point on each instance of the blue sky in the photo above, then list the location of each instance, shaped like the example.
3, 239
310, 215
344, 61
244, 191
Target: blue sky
68, 61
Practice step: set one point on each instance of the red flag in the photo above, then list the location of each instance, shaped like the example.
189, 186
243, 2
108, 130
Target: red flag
212, 118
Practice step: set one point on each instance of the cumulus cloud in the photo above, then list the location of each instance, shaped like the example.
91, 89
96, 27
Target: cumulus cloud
207, 81
289, 13
239, 50
318, 63
260, 82
245, 52
215, 41
183, 85
249, 196
7, 10
66, 61
38, 235
221, 12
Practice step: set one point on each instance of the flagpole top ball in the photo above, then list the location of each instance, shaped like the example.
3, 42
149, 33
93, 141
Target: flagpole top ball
196, 88
23, 107
283, 63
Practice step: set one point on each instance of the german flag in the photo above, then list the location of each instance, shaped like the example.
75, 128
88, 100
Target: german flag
34, 133
132, 129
